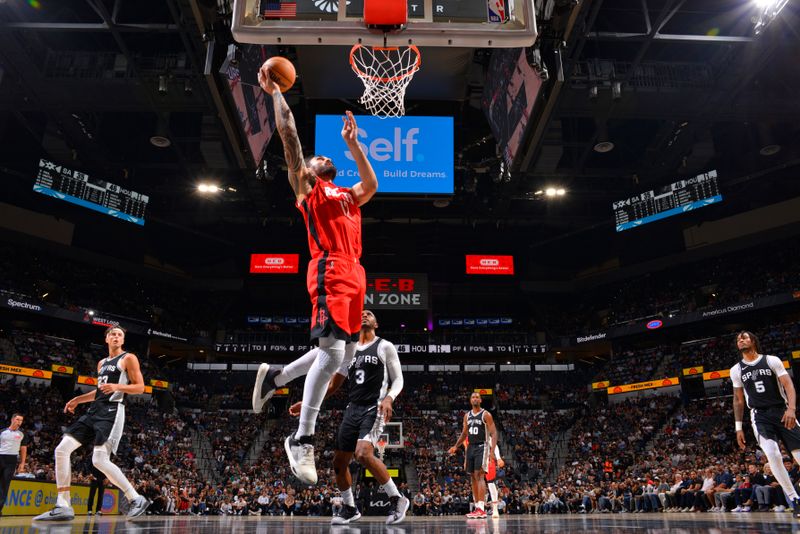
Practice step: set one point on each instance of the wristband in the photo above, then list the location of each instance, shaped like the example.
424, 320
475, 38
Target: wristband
739, 426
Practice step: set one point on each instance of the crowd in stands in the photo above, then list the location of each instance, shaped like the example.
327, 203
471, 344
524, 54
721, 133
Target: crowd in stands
631, 364
689, 464
80, 285
645, 454
697, 286
708, 284
40, 350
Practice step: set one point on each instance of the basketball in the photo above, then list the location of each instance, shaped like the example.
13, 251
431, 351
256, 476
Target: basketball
281, 71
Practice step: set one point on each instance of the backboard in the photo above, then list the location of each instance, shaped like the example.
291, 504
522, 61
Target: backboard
393, 434
440, 23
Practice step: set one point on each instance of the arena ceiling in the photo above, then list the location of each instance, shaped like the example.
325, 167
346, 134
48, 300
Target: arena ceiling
89, 82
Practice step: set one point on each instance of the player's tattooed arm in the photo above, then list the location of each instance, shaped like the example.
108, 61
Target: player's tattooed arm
300, 178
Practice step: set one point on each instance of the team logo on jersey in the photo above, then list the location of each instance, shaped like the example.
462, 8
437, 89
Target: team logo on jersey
322, 316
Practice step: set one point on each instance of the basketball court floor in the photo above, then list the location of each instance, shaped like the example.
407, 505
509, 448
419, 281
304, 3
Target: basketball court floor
616, 524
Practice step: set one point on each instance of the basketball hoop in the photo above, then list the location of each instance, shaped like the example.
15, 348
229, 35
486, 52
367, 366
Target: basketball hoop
381, 448
385, 73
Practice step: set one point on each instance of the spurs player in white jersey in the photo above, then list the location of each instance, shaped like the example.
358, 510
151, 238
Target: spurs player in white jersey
762, 382
118, 375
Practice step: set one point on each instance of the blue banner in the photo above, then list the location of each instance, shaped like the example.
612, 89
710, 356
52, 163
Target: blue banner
409, 154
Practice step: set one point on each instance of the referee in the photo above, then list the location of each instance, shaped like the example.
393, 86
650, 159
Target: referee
13, 445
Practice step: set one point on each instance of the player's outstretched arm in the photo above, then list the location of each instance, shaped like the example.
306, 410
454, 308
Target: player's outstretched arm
300, 178
363, 190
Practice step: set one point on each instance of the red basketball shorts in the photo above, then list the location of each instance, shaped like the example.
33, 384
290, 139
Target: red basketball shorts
491, 472
336, 285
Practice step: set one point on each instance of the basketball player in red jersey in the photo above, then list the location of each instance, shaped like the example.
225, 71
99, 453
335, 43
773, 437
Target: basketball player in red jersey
336, 280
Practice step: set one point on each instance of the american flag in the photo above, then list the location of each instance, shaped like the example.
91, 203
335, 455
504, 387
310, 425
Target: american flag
277, 9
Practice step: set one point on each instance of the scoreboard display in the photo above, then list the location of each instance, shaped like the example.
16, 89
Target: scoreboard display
673, 199
79, 188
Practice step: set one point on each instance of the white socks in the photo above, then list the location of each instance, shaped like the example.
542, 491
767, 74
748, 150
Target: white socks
64, 468
775, 458
297, 368
390, 488
493, 491
329, 357
102, 461
308, 418
479, 505
347, 497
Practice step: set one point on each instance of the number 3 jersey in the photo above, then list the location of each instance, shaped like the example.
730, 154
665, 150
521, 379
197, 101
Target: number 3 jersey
759, 378
374, 367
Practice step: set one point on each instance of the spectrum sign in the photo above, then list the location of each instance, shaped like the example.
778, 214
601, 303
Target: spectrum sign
409, 154
274, 263
502, 265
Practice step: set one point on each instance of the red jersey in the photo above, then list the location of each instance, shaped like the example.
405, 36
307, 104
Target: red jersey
333, 220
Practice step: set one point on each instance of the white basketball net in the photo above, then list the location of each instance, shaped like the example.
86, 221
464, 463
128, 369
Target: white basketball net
385, 72
381, 448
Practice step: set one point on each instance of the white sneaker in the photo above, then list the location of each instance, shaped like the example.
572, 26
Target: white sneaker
58, 513
301, 460
138, 506
780, 509
400, 506
263, 375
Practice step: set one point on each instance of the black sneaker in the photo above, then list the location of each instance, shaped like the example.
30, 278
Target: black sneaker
399, 507
796, 508
265, 381
346, 515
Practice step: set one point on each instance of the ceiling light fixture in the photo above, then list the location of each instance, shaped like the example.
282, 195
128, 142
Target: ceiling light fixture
767, 11
208, 188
